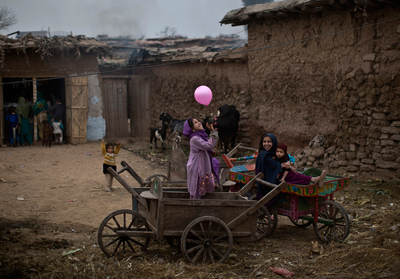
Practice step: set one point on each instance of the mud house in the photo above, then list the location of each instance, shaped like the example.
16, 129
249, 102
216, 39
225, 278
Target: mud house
328, 67
63, 68
161, 74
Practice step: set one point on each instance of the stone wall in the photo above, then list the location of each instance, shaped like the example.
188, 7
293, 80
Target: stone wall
345, 85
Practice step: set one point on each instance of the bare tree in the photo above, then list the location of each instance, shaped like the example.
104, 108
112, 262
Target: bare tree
168, 32
252, 2
7, 18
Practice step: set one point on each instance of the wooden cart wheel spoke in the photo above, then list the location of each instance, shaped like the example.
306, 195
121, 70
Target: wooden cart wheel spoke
129, 244
116, 222
205, 256
226, 245
189, 240
123, 243
215, 248
211, 256
264, 223
135, 242
112, 242
111, 228
333, 224
214, 240
197, 235
195, 248
217, 252
199, 253
214, 231
202, 230
116, 248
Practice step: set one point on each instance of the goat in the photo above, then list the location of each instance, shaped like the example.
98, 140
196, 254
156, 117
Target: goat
227, 124
47, 133
174, 124
158, 134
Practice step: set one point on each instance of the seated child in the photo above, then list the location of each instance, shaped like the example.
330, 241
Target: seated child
290, 174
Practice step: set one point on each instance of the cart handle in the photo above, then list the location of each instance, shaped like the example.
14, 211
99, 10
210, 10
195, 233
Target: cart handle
126, 185
132, 172
242, 217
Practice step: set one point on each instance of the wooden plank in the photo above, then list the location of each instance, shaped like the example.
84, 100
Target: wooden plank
116, 76
177, 165
2, 136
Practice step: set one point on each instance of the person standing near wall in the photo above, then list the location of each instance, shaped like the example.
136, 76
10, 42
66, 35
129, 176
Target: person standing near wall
39, 109
23, 110
57, 110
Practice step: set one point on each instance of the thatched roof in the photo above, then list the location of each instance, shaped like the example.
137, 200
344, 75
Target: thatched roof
46, 46
289, 8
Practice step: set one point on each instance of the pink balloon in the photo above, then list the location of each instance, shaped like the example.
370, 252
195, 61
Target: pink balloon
203, 95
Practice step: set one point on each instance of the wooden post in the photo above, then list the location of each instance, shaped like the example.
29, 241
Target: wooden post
1, 114
35, 118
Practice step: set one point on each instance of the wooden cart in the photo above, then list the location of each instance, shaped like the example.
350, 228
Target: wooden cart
205, 228
305, 205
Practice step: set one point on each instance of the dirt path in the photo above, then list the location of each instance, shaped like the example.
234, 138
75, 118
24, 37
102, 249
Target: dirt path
52, 202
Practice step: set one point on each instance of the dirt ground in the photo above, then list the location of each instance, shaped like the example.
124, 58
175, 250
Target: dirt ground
53, 201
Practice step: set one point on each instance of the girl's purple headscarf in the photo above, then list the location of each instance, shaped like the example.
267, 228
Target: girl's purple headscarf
188, 132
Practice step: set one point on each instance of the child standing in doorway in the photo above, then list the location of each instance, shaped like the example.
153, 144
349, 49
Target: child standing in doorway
57, 130
109, 161
13, 122
290, 174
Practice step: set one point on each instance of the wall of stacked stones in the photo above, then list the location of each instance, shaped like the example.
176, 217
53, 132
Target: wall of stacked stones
322, 74
173, 86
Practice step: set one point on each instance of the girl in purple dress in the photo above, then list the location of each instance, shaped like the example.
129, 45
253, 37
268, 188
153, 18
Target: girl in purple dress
289, 174
202, 169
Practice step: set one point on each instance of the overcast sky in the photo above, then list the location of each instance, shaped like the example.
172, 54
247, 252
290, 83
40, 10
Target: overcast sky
191, 18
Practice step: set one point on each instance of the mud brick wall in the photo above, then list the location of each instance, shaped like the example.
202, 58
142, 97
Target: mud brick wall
345, 86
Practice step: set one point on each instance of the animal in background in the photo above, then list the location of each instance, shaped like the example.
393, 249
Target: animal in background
174, 124
47, 133
227, 125
158, 134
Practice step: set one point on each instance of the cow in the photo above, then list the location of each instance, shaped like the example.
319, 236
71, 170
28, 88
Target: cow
227, 124
174, 124
158, 134
47, 133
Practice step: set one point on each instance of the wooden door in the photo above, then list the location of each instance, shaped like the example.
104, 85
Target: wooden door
139, 105
115, 104
76, 101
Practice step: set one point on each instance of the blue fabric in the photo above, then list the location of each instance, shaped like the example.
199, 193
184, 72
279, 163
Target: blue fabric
292, 159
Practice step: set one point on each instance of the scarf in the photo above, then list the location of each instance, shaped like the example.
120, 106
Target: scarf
188, 132
23, 107
40, 104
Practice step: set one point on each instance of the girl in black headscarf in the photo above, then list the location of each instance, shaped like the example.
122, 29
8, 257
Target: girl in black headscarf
266, 162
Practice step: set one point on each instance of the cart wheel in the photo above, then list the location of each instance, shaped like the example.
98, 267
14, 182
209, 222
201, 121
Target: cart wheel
113, 242
274, 217
148, 180
264, 223
301, 223
206, 239
333, 222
